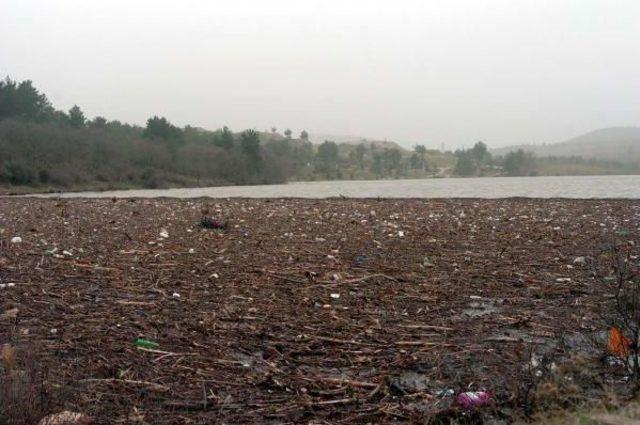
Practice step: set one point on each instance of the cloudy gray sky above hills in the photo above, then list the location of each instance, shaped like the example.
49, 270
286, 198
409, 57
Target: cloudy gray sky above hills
452, 72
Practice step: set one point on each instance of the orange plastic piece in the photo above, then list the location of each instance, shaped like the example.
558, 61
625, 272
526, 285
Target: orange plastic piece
618, 343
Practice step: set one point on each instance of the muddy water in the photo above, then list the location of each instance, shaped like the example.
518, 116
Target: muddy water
492, 187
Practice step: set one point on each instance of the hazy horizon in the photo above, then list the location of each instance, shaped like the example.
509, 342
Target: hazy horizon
505, 72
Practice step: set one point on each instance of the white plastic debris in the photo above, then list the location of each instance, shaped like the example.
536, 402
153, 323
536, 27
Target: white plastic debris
11, 314
535, 361
164, 234
16, 239
444, 393
67, 253
335, 296
175, 295
65, 418
400, 233
192, 251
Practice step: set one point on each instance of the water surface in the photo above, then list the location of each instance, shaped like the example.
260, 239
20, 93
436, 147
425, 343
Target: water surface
488, 187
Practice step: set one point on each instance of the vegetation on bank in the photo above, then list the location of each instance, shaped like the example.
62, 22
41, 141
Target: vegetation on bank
42, 148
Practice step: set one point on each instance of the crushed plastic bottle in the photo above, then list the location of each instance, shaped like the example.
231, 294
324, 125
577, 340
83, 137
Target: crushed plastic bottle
473, 399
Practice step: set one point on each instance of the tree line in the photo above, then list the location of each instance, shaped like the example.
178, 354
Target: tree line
478, 161
44, 146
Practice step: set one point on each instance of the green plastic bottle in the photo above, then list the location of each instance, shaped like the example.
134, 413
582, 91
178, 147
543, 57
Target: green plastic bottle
145, 343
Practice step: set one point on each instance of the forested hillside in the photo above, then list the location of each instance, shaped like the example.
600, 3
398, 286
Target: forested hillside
49, 149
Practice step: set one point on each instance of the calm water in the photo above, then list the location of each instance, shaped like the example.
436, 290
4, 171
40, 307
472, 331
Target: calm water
493, 187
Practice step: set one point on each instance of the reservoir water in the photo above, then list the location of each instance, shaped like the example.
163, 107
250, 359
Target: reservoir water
487, 187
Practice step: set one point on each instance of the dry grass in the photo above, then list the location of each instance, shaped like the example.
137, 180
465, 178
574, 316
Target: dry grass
627, 415
25, 393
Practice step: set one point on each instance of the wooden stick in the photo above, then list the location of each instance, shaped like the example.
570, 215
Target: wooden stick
151, 385
360, 384
332, 402
439, 328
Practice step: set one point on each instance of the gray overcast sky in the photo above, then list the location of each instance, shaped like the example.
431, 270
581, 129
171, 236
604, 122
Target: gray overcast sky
453, 72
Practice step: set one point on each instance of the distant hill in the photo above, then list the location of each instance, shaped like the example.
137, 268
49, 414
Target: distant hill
621, 144
353, 140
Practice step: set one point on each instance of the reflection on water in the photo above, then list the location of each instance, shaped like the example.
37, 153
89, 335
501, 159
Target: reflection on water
491, 187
